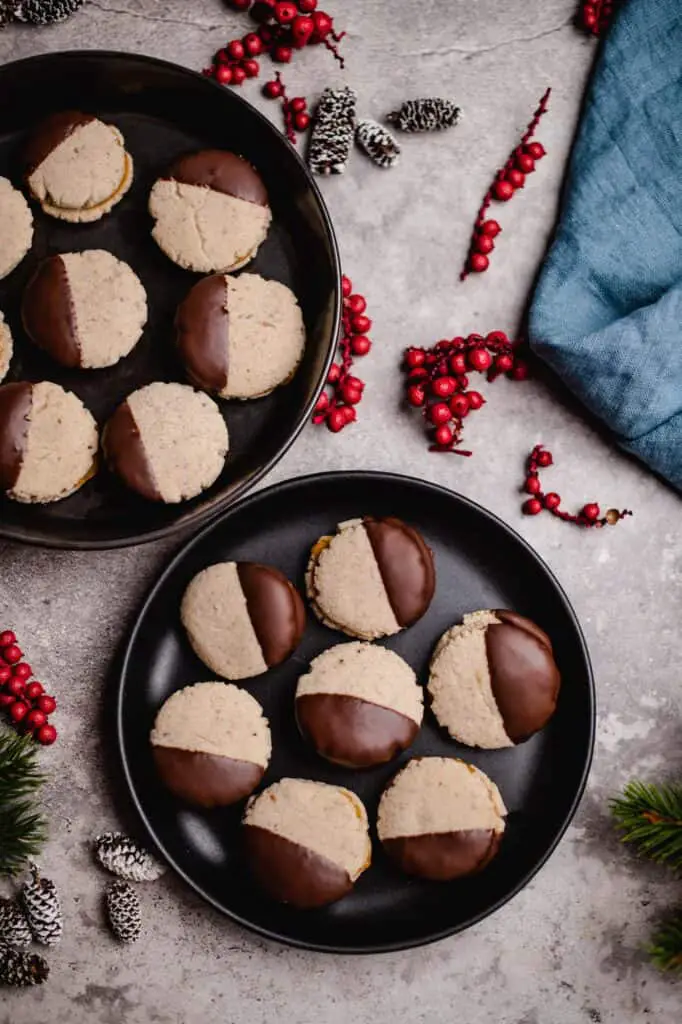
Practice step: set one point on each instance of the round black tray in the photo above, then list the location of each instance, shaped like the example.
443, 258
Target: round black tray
163, 111
480, 563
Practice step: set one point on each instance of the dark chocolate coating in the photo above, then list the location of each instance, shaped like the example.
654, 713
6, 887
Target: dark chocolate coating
275, 608
125, 453
445, 855
406, 566
202, 324
292, 873
51, 133
351, 731
15, 406
48, 312
223, 172
206, 780
524, 676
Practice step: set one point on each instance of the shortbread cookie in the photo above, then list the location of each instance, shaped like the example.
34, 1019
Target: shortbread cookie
211, 212
372, 578
86, 309
77, 166
211, 744
168, 442
240, 336
307, 843
16, 219
494, 681
242, 618
359, 704
6, 347
441, 818
48, 442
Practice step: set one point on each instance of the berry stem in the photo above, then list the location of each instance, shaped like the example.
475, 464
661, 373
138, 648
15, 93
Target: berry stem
589, 514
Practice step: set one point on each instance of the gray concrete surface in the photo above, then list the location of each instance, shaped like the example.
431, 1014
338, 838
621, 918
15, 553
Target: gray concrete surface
568, 949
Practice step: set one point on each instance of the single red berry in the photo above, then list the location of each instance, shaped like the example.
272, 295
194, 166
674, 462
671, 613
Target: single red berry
266, 35
503, 190
357, 303
535, 149
322, 403
504, 363
443, 387
355, 382
476, 399
223, 74
484, 244
334, 373
301, 122
552, 501
253, 44
297, 106
520, 371
491, 228
35, 719
417, 375
346, 286
462, 382
46, 704
544, 459
5, 674
238, 76
16, 687
516, 178
414, 357
591, 511
497, 337
349, 413
532, 485
323, 25
416, 395
336, 420
262, 10
273, 89
235, 49
478, 262
442, 368
443, 436
351, 395
34, 690
459, 406
590, 20
532, 506
479, 359
360, 345
525, 162
240, 5
12, 654
307, 6
6, 700
282, 54
7, 637
251, 68
473, 339
360, 324
46, 735
222, 57
285, 12
439, 413
18, 711
458, 362
302, 29
22, 671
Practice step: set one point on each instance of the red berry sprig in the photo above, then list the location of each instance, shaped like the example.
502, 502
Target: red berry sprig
508, 180
337, 409
25, 701
589, 515
437, 381
595, 15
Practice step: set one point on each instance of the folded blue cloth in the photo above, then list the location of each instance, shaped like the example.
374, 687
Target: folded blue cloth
607, 312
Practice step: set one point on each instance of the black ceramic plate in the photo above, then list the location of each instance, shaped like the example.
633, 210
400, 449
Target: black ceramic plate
480, 563
163, 111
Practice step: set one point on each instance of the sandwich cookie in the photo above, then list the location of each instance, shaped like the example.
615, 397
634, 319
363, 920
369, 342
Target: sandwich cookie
441, 818
493, 680
86, 309
211, 212
211, 744
372, 578
17, 227
359, 705
6, 347
48, 442
242, 618
77, 166
240, 336
306, 842
168, 442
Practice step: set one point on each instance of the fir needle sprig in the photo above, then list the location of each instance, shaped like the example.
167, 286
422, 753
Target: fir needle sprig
650, 817
23, 828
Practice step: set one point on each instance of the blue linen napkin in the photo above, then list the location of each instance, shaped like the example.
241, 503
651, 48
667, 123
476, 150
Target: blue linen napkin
607, 311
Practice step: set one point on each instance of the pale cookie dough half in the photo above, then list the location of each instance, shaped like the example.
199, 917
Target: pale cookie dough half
16, 227
6, 347
307, 842
493, 679
372, 578
359, 705
211, 212
242, 618
168, 442
211, 744
240, 337
77, 166
441, 818
48, 442
86, 309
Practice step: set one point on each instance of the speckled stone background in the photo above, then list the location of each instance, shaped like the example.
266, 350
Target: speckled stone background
568, 950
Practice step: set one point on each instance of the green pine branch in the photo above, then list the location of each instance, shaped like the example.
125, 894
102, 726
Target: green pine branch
23, 828
666, 946
650, 817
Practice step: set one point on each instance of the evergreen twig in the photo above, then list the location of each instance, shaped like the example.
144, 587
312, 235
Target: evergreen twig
20, 775
23, 828
650, 817
666, 945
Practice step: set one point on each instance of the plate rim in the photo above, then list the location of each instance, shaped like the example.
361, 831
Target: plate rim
269, 493
201, 516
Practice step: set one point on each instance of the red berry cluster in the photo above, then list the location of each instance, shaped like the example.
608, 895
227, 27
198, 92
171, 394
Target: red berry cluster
338, 409
26, 702
508, 180
283, 27
595, 15
437, 381
589, 515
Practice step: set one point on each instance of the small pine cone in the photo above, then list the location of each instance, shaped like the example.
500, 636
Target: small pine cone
45, 12
14, 929
427, 115
42, 908
22, 969
123, 911
125, 858
6, 12
377, 142
332, 133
